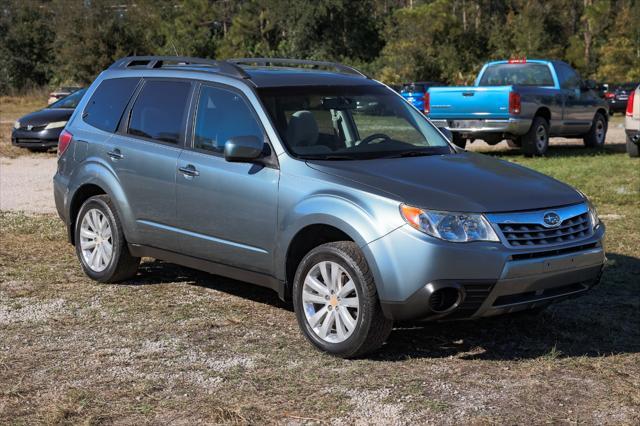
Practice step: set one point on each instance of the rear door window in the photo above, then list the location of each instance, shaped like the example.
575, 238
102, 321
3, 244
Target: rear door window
160, 111
568, 78
108, 102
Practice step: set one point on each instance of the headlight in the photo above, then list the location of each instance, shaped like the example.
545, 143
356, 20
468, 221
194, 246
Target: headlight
55, 125
16, 124
448, 226
593, 215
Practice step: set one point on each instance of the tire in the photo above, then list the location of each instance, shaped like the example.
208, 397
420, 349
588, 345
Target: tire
369, 326
536, 140
632, 148
597, 134
98, 221
459, 141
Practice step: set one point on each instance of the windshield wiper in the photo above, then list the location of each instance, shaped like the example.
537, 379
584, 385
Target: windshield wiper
412, 154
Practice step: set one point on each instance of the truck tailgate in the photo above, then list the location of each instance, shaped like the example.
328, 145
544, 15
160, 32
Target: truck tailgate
469, 102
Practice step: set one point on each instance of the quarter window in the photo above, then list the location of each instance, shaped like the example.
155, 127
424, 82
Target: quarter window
221, 115
160, 111
108, 102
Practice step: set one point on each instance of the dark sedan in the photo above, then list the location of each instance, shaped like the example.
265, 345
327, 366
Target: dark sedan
617, 98
39, 130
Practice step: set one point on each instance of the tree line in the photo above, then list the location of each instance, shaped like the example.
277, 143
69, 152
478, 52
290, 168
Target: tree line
53, 42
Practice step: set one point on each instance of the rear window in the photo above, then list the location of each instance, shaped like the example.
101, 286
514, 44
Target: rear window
105, 107
530, 74
160, 110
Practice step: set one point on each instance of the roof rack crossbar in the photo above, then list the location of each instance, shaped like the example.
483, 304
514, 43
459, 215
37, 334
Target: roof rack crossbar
224, 67
266, 62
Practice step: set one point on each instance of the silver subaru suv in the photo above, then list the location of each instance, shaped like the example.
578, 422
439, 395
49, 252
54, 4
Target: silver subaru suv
318, 182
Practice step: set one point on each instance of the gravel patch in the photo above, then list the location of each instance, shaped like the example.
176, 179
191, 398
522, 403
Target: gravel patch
26, 184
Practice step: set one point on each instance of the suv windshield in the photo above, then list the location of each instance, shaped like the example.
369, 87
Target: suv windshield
70, 101
530, 74
350, 123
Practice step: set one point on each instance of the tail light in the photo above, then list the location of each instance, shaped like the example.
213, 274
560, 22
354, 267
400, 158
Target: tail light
630, 103
426, 100
514, 103
64, 140
609, 95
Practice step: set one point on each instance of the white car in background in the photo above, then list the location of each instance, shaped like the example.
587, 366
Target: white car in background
632, 123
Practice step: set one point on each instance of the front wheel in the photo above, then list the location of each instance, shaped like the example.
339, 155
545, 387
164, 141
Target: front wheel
336, 302
597, 133
536, 140
100, 244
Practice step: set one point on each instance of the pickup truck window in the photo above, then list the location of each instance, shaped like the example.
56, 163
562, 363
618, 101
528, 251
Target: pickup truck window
530, 74
568, 78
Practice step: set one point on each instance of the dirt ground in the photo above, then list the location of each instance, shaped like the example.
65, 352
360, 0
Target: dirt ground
177, 346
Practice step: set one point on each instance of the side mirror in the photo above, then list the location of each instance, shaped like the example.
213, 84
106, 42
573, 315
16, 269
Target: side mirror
447, 133
243, 149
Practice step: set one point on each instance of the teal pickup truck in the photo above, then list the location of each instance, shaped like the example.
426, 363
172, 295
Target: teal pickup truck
522, 101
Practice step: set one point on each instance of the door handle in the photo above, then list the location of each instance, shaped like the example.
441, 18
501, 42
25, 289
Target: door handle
115, 154
189, 170
468, 93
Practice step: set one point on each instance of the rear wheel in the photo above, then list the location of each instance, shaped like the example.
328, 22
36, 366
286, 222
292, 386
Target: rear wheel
536, 141
336, 302
100, 244
632, 148
597, 134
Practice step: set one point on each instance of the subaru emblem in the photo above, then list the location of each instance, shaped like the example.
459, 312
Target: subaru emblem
551, 219
29, 127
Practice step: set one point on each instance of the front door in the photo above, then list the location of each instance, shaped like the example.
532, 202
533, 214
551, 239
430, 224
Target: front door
227, 211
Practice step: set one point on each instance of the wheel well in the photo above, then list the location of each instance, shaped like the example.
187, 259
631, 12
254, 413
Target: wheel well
82, 194
544, 113
304, 241
604, 113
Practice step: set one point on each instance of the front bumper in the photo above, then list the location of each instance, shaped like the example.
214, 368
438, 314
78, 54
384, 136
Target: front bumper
475, 128
35, 139
492, 278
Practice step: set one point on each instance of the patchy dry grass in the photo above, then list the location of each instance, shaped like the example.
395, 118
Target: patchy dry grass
180, 346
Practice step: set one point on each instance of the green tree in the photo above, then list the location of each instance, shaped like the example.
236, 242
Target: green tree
26, 40
620, 57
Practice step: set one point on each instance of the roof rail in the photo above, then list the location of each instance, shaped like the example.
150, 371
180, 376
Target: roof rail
156, 62
266, 62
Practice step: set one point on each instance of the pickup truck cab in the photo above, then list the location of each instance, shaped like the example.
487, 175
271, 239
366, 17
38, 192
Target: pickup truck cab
523, 101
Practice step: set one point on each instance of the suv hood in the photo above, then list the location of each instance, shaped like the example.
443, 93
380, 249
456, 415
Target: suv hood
464, 182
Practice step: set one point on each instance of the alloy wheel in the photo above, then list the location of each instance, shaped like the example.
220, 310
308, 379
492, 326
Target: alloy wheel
331, 302
96, 240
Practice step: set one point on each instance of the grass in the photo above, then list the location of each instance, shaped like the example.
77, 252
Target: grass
177, 345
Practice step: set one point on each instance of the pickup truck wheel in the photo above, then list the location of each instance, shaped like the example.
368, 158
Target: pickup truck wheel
336, 301
597, 135
459, 141
536, 141
632, 148
100, 243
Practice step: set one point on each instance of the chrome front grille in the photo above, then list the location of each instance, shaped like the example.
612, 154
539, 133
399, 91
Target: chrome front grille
528, 229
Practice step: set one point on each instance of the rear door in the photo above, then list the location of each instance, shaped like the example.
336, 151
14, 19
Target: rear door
144, 155
227, 212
